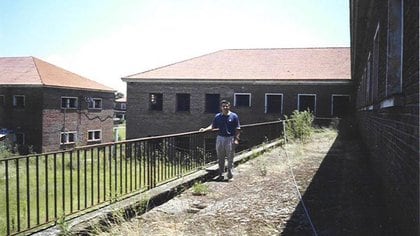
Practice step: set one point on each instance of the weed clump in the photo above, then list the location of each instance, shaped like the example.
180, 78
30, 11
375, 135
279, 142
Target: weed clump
299, 125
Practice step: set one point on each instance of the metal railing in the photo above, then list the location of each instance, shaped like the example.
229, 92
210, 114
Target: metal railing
37, 190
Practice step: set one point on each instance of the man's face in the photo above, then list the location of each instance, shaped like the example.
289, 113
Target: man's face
225, 107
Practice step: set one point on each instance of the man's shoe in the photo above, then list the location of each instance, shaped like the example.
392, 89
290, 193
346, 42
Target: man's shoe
229, 175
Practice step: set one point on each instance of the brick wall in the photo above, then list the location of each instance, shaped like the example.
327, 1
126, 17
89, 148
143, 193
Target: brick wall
26, 120
389, 124
54, 119
142, 122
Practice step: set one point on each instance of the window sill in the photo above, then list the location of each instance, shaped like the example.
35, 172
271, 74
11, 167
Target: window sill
393, 101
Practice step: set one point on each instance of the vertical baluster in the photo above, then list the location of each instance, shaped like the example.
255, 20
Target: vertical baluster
6, 166
28, 205
121, 168
126, 149
71, 181
135, 164
99, 175
85, 176
47, 207
78, 180
63, 174
104, 174
17, 194
131, 166
115, 170
110, 169
92, 189
55, 185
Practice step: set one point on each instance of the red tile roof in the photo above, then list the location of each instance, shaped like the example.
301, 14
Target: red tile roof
259, 64
35, 72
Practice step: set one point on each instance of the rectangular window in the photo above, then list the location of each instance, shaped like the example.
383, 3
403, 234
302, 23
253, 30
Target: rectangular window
375, 65
94, 135
69, 102
242, 100
156, 101
19, 101
95, 103
274, 103
369, 95
68, 137
394, 47
182, 102
340, 105
212, 103
307, 101
123, 106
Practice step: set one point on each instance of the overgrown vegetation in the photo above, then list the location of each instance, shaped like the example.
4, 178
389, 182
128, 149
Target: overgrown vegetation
200, 189
299, 126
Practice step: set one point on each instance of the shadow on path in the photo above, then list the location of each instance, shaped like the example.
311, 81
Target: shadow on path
343, 197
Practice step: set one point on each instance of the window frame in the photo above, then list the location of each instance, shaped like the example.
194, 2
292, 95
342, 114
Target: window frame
67, 137
15, 105
241, 94
306, 94
394, 48
76, 104
94, 131
266, 102
92, 104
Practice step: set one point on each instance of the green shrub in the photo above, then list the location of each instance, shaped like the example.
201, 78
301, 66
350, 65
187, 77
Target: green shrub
299, 125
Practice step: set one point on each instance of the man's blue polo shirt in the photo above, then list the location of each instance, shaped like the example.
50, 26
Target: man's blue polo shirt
227, 124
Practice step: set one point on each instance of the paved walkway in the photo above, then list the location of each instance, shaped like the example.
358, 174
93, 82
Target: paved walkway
332, 174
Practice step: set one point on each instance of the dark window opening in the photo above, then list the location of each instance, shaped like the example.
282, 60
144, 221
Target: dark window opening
274, 103
242, 100
212, 103
341, 105
156, 101
307, 102
19, 101
183, 102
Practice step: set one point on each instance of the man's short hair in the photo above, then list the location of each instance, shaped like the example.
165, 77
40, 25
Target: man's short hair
224, 102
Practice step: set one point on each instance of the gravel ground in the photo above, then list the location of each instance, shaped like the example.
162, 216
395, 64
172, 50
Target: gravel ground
332, 175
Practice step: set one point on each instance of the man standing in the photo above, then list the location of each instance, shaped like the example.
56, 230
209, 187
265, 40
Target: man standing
228, 126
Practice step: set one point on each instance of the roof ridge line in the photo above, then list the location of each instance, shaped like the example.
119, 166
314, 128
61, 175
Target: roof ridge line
37, 70
171, 64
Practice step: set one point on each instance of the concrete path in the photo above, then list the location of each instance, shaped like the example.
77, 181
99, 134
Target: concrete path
332, 174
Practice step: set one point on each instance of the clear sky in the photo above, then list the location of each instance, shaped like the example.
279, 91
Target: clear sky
105, 40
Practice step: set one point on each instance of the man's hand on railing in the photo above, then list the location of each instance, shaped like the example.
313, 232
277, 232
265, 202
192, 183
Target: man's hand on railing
205, 129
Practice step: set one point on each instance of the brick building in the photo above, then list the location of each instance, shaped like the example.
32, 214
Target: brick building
44, 107
262, 84
385, 70
120, 107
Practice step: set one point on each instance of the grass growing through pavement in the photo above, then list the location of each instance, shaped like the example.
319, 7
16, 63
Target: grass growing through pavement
199, 189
